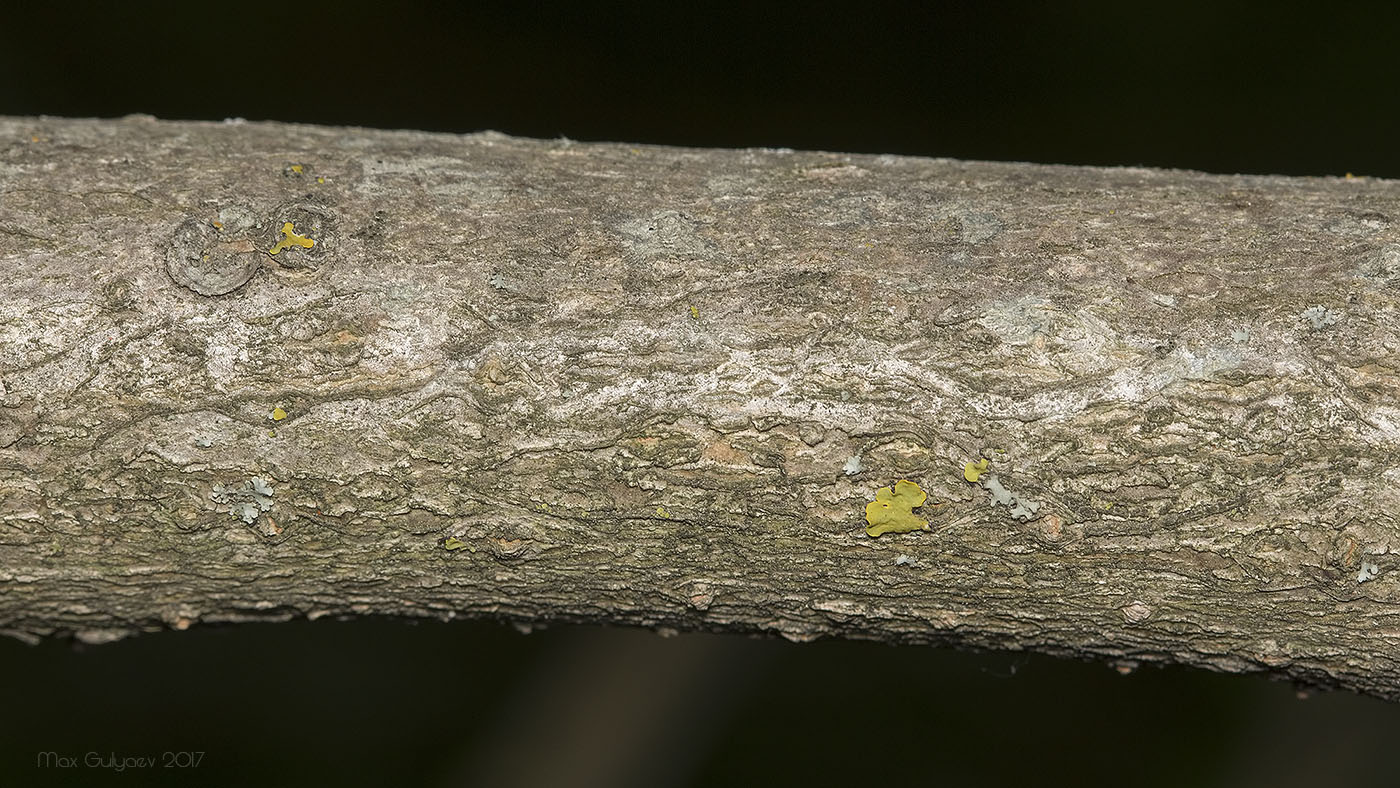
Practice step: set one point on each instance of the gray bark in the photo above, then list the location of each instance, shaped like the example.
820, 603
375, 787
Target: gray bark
556, 381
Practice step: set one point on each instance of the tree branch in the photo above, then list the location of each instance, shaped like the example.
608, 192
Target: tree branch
548, 380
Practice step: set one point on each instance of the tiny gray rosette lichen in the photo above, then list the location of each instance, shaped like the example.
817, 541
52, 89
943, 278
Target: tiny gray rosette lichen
246, 502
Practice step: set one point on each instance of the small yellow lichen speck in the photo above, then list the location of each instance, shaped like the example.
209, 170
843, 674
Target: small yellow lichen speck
291, 239
453, 543
297, 168
974, 470
892, 509
694, 312
661, 512
278, 414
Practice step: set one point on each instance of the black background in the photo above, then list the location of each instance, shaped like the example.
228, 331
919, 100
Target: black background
1218, 87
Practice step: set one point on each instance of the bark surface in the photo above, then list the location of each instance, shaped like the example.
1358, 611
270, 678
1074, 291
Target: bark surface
547, 380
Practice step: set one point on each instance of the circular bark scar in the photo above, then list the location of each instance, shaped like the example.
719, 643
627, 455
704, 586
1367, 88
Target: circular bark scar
1136, 612
208, 263
310, 222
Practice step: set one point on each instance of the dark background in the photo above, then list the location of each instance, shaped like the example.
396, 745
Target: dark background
1217, 87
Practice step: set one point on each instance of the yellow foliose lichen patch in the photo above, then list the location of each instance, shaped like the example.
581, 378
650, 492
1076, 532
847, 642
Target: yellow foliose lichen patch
291, 239
453, 543
974, 470
278, 414
892, 509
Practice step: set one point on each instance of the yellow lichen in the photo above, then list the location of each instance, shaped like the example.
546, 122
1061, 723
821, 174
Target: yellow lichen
694, 312
453, 543
297, 168
291, 239
974, 470
661, 512
278, 414
892, 509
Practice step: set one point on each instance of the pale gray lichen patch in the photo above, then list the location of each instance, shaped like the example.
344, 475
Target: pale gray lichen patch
1024, 510
999, 493
852, 466
1319, 316
237, 218
1381, 268
665, 233
245, 502
735, 187
1021, 508
1203, 363
977, 227
443, 176
1018, 322
1368, 572
1358, 225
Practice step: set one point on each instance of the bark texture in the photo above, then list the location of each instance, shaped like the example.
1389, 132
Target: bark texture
547, 380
